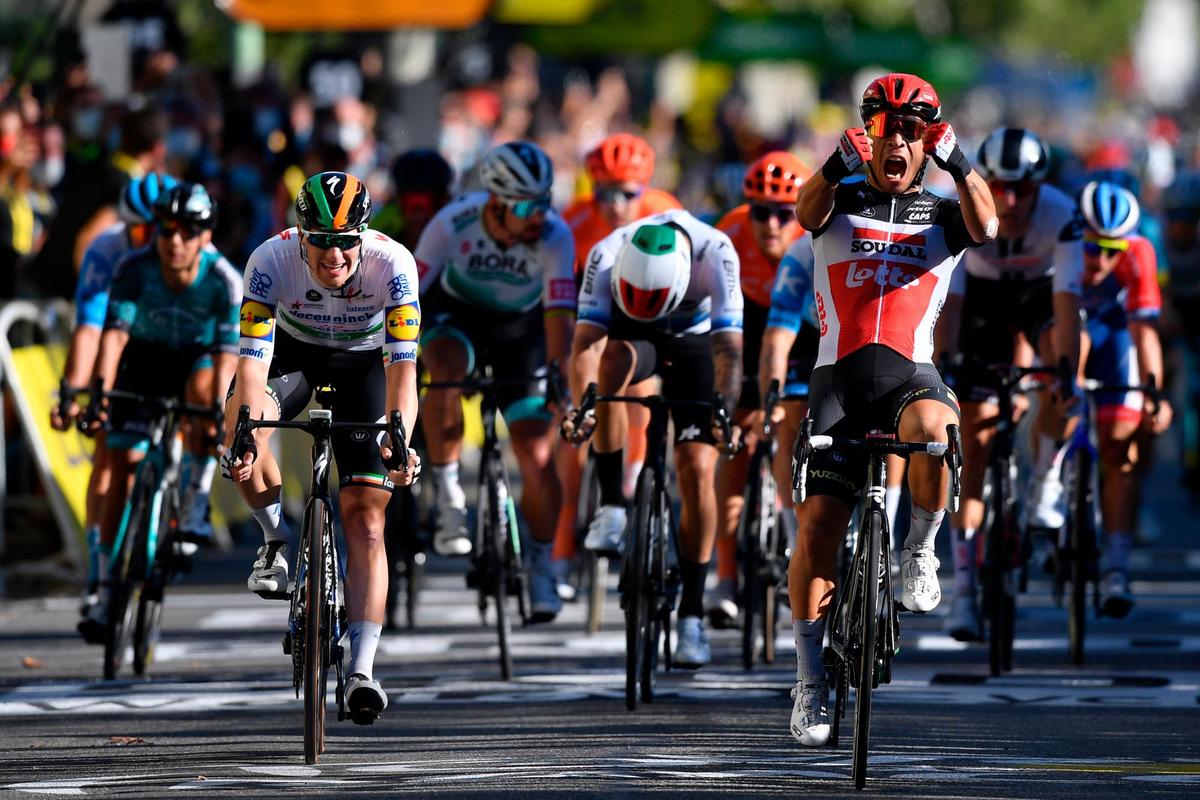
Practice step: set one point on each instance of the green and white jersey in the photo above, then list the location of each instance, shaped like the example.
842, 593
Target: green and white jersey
456, 251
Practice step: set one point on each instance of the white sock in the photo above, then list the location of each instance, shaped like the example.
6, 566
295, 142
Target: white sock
364, 639
891, 504
810, 641
1116, 552
202, 479
629, 480
923, 527
274, 526
445, 478
964, 561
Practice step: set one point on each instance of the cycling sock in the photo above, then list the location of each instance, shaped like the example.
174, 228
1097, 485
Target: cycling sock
923, 527
445, 478
364, 638
1116, 552
608, 473
274, 526
727, 566
200, 471
964, 561
691, 596
891, 504
810, 641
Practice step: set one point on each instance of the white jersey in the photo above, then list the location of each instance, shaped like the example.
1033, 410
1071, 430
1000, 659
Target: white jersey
377, 307
713, 301
456, 251
1051, 248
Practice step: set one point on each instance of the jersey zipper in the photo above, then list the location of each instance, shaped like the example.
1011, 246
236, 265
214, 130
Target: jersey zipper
885, 269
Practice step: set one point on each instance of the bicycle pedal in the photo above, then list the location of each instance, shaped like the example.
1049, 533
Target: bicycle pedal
265, 595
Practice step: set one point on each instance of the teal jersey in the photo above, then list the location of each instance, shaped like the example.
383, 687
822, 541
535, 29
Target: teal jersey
204, 315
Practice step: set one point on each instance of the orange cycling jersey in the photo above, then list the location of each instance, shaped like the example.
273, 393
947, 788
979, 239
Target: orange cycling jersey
589, 225
758, 271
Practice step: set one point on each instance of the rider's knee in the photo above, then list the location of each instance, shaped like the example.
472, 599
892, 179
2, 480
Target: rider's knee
363, 522
616, 364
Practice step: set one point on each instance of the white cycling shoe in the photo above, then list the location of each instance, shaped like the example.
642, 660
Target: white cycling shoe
1047, 505
365, 699
606, 534
720, 605
810, 712
691, 644
920, 590
269, 573
451, 537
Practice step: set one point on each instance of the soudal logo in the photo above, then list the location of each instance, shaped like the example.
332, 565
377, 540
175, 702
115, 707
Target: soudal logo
883, 274
872, 242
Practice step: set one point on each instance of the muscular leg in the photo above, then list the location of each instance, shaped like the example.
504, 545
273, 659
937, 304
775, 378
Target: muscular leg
533, 445
446, 359
1118, 459
924, 421
363, 509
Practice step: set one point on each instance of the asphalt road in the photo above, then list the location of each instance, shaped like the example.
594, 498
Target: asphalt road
217, 717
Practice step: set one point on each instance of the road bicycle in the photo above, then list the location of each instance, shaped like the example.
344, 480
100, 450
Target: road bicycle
317, 619
864, 623
592, 566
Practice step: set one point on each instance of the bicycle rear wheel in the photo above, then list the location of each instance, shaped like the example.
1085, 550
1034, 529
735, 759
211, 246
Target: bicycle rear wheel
316, 631
866, 648
995, 598
751, 559
150, 605
1081, 543
633, 586
595, 567
129, 571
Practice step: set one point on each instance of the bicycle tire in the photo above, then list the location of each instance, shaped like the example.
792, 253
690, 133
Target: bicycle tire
771, 552
634, 589
316, 658
658, 615
148, 628
750, 530
866, 650
495, 531
126, 589
1080, 546
595, 569
993, 580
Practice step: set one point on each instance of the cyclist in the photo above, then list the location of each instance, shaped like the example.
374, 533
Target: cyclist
496, 278
135, 208
420, 188
329, 302
1017, 293
620, 168
170, 329
674, 280
884, 252
761, 230
1122, 303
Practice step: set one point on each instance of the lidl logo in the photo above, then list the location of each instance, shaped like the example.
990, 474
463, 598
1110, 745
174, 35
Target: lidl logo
403, 323
258, 319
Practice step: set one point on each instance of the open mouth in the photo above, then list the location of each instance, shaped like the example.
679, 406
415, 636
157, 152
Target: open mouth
894, 168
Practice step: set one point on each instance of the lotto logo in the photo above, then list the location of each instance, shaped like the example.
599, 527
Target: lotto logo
881, 274
403, 323
257, 319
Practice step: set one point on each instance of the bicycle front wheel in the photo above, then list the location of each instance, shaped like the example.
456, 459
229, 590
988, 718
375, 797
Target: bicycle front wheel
150, 604
127, 575
316, 630
595, 567
1081, 538
751, 531
868, 630
633, 586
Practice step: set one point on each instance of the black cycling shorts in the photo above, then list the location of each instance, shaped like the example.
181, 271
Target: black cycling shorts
153, 370
685, 364
994, 311
514, 344
801, 357
359, 385
866, 391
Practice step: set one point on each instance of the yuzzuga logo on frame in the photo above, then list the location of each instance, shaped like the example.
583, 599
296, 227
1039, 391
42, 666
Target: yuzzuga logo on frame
403, 323
257, 319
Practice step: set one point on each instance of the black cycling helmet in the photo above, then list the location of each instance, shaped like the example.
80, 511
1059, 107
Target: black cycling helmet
333, 202
188, 203
422, 170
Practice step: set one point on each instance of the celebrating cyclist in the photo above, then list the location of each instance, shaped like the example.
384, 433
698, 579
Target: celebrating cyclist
674, 282
761, 230
497, 284
1017, 293
135, 208
329, 303
884, 253
170, 330
1122, 302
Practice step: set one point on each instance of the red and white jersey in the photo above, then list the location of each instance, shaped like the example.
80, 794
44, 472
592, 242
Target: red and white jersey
882, 267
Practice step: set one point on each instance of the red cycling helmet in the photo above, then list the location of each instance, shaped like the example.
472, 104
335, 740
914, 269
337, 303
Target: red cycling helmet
901, 92
775, 178
621, 158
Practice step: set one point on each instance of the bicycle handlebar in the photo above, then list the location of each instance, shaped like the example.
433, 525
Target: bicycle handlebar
591, 397
243, 438
162, 404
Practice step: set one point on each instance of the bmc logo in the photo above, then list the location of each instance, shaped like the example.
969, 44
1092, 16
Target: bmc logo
882, 274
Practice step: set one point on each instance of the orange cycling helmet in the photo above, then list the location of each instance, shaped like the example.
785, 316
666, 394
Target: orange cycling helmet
621, 158
775, 178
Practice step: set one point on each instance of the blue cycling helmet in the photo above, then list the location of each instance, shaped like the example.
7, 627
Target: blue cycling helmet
1109, 210
136, 204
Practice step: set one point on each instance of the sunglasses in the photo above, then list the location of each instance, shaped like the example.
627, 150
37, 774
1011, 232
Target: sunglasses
1021, 189
614, 194
328, 241
186, 231
1094, 246
885, 123
524, 209
763, 212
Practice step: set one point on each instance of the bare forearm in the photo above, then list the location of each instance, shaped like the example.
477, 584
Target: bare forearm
560, 329
249, 389
978, 207
224, 365
112, 345
81, 358
586, 351
1149, 351
772, 363
727, 364
1065, 332
402, 392
815, 203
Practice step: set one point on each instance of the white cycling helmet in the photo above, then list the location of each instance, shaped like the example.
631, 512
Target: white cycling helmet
517, 171
1013, 154
652, 272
